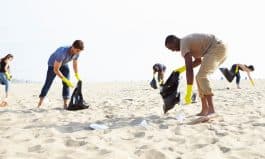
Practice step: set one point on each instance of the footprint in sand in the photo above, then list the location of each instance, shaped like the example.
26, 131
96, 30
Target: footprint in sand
104, 151
139, 150
51, 140
198, 146
163, 126
64, 157
153, 154
139, 134
143, 147
178, 141
150, 137
2, 152
36, 148
221, 133
259, 124
74, 143
224, 149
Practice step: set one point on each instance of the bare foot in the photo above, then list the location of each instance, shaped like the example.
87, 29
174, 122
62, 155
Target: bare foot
40, 102
211, 112
202, 114
3, 104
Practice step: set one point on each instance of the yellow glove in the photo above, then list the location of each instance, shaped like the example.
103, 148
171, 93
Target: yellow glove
188, 94
77, 76
236, 71
252, 82
67, 82
181, 69
8, 76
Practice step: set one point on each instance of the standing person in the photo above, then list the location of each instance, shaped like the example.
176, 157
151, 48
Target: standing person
199, 49
5, 75
58, 65
234, 72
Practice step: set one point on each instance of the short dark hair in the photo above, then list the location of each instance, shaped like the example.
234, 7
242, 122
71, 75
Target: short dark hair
7, 57
78, 44
251, 67
170, 39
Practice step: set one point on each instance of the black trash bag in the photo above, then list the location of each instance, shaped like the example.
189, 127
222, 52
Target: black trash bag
169, 92
153, 83
77, 102
171, 85
229, 76
170, 101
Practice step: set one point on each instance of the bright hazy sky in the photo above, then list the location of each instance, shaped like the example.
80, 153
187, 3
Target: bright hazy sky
124, 38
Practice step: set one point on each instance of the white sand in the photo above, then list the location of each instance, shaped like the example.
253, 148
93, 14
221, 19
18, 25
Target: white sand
51, 132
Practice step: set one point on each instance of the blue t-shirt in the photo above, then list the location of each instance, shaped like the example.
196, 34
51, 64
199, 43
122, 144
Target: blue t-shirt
62, 55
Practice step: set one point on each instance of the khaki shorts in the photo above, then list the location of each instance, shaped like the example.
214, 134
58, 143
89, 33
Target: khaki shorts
212, 59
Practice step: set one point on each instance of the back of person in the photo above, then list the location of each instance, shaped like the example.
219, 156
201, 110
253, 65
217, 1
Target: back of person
196, 44
61, 54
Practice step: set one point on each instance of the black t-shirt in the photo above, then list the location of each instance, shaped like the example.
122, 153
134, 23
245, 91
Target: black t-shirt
2, 66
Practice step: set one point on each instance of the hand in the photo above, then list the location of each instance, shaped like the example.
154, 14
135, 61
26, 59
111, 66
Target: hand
77, 76
188, 99
67, 82
181, 69
8, 76
161, 82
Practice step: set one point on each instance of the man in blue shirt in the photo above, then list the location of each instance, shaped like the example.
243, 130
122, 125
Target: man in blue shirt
58, 65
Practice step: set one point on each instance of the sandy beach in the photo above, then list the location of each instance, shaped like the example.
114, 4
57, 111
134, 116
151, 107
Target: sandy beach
135, 126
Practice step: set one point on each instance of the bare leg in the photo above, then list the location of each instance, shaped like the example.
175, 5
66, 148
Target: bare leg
65, 103
205, 107
209, 99
40, 101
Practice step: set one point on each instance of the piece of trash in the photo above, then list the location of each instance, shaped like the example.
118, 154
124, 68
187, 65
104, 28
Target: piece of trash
143, 123
180, 117
153, 83
98, 126
193, 97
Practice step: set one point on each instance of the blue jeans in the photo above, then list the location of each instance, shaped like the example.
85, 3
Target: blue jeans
236, 74
4, 81
49, 79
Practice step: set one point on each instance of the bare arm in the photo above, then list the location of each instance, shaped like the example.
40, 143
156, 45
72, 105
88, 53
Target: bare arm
196, 62
75, 66
56, 69
6, 67
249, 77
189, 68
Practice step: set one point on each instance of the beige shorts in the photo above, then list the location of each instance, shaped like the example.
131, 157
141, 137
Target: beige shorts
212, 59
